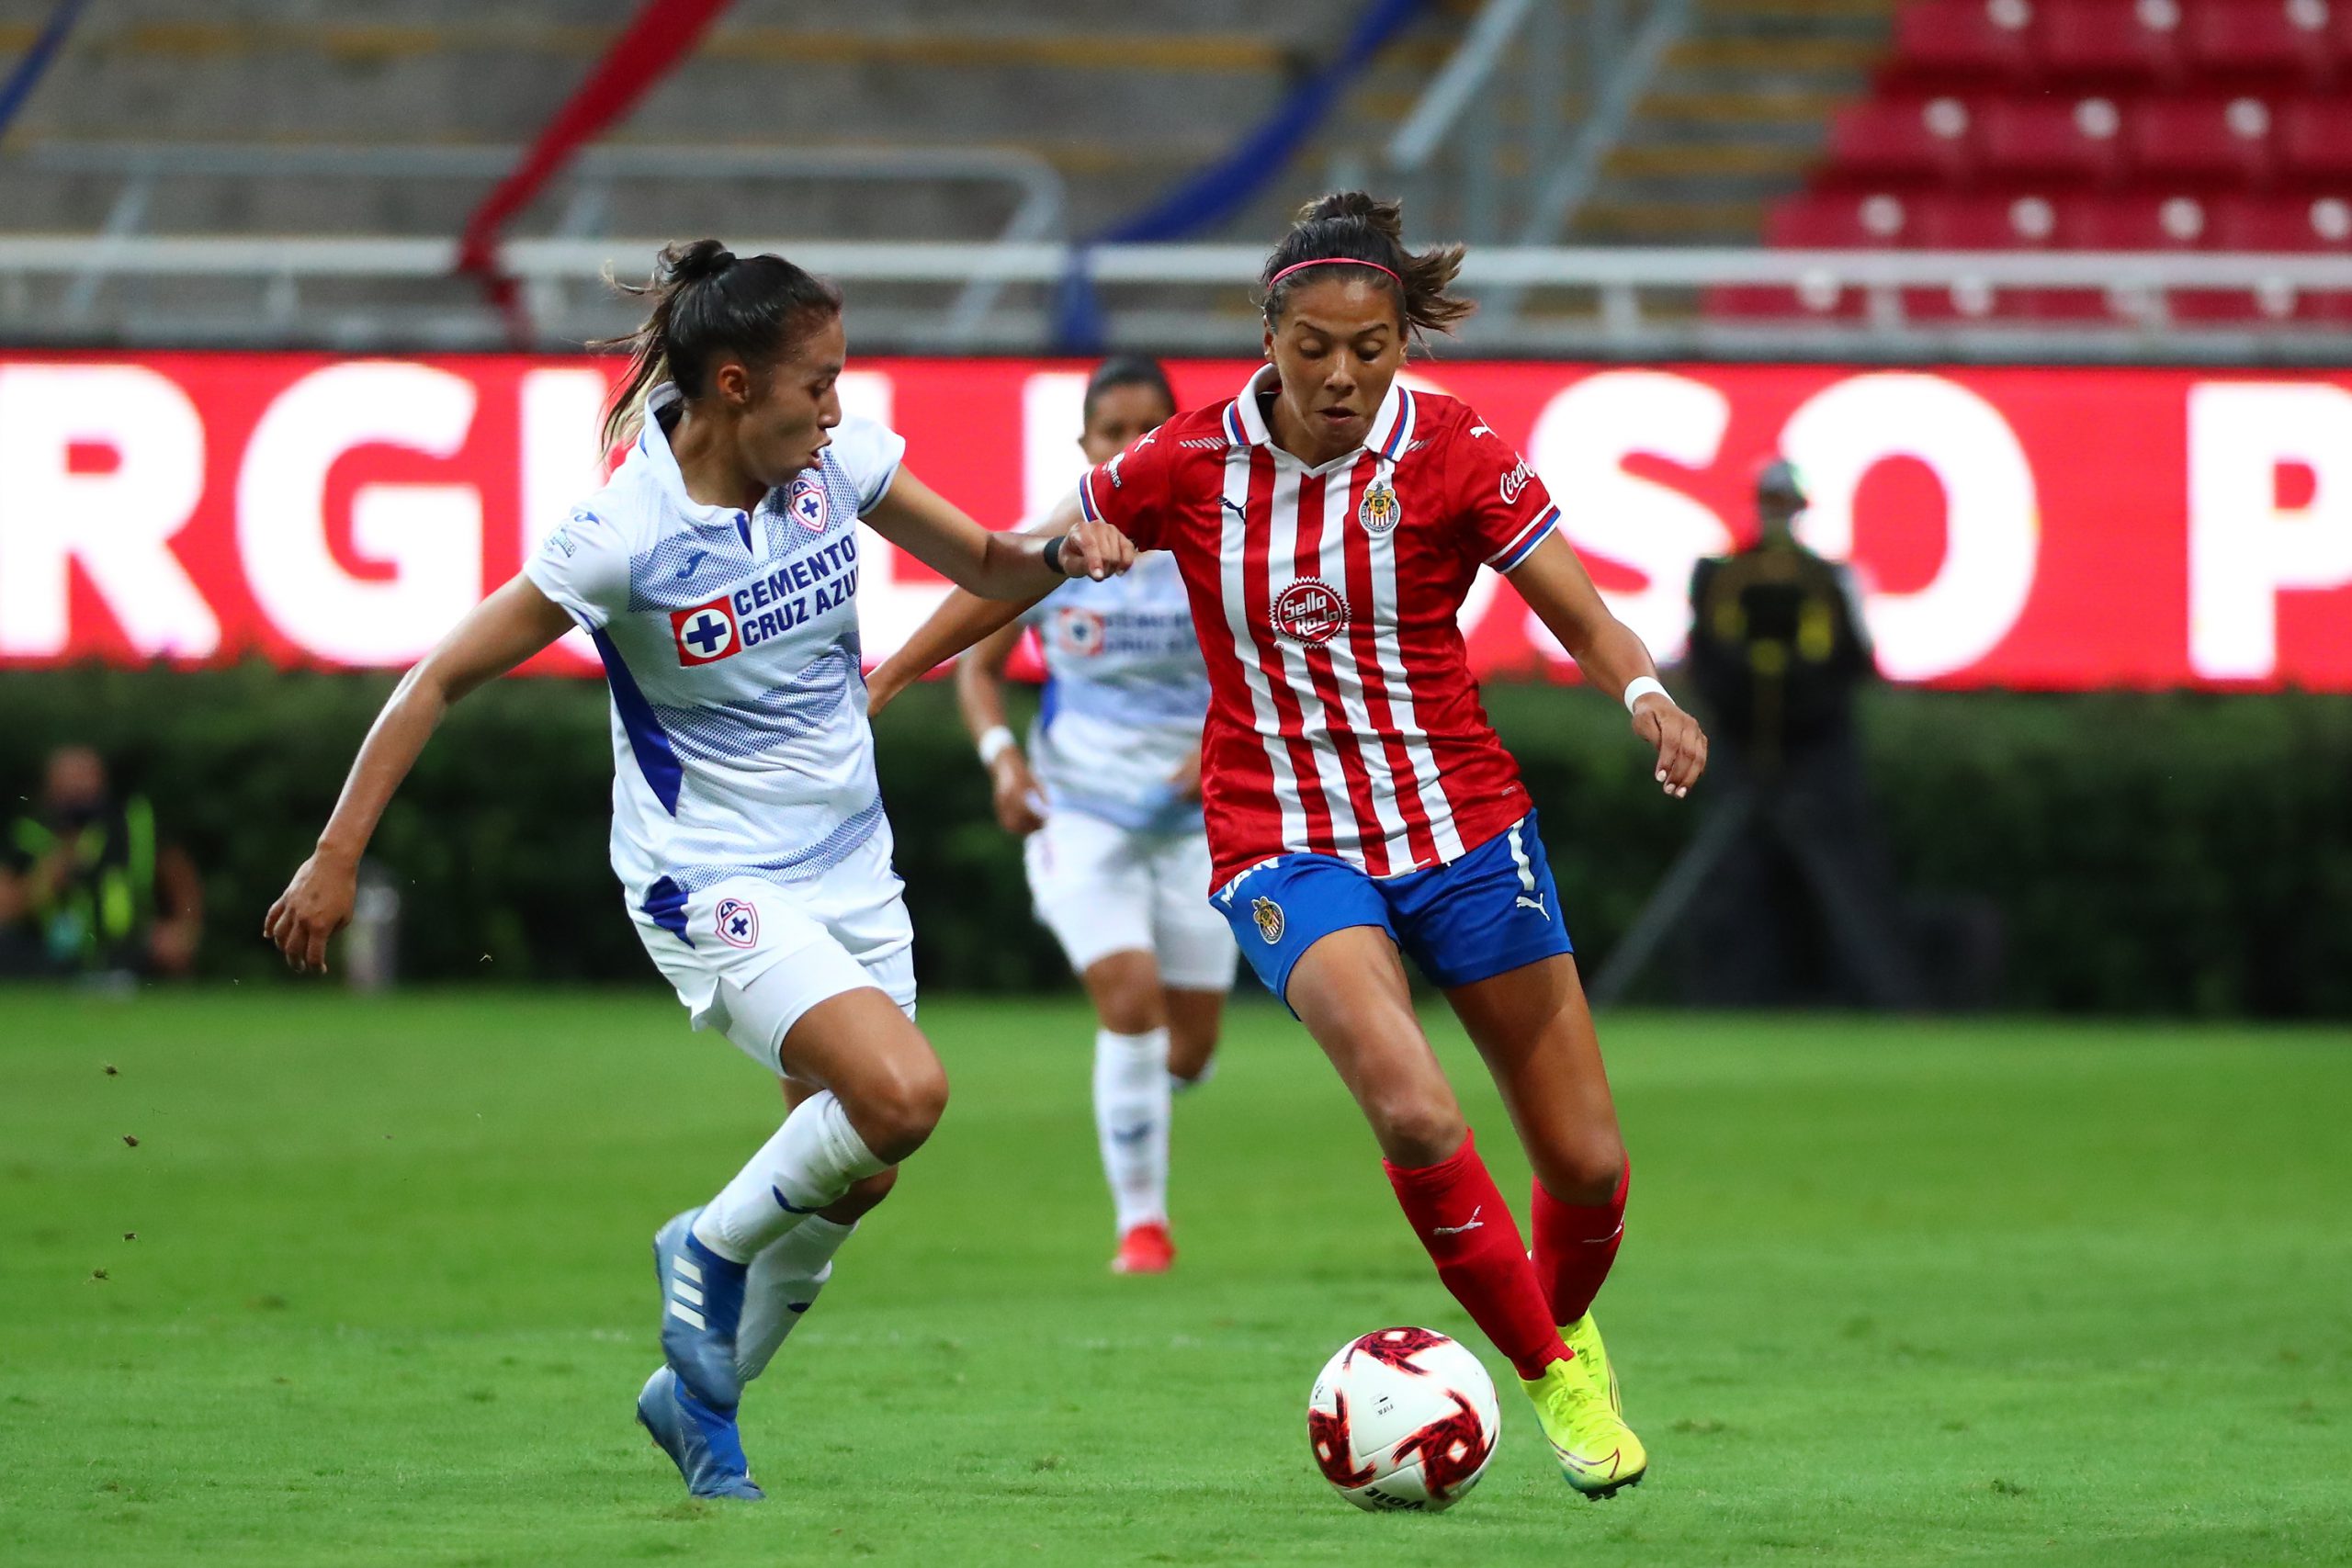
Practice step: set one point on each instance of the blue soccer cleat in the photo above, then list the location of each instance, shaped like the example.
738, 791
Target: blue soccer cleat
702, 1444
702, 1307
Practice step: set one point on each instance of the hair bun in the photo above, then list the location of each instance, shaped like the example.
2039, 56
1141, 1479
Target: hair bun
693, 262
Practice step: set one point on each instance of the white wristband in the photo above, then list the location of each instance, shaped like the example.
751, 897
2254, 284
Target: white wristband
1642, 686
995, 744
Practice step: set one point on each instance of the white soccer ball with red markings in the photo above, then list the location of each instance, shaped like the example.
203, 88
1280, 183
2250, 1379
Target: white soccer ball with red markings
1403, 1418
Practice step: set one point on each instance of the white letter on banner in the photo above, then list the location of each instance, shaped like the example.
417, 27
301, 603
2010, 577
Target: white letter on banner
430, 535
1580, 442
117, 526
563, 459
1992, 521
1053, 414
2243, 546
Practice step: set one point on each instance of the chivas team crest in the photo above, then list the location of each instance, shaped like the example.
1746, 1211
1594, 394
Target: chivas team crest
1379, 512
1269, 916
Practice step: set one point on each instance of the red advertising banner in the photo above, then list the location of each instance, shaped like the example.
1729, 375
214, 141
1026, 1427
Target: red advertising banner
2055, 529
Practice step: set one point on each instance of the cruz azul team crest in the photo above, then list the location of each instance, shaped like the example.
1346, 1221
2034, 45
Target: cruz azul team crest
706, 633
1310, 611
807, 504
739, 923
1378, 512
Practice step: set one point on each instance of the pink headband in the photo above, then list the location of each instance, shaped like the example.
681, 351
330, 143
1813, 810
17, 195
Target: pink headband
1332, 261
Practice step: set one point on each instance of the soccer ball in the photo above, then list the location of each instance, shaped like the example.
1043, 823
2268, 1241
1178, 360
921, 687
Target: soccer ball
1403, 1418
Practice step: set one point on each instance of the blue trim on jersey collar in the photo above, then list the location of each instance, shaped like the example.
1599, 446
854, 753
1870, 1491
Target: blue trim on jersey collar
648, 741
1390, 422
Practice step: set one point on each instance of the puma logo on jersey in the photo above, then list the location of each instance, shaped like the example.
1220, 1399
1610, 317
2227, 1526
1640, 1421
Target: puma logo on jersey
1234, 507
1472, 1224
1536, 903
1481, 429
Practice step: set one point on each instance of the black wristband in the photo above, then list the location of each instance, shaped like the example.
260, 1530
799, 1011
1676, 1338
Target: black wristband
1053, 555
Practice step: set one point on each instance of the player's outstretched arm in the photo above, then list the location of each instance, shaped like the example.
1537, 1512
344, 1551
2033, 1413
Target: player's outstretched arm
498, 634
963, 620
1556, 586
930, 527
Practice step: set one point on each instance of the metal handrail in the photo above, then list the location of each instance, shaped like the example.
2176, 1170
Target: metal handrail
883, 261
1038, 213
1457, 83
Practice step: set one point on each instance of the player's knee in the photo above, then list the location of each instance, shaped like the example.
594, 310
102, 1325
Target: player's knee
1585, 1170
863, 1197
1416, 1130
897, 1112
1126, 990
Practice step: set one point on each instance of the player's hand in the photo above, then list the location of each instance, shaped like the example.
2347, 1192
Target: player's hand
1096, 550
1186, 780
315, 906
1015, 791
1681, 744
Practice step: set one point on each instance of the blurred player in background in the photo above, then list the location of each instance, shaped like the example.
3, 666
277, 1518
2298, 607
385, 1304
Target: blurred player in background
1328, 523
717, 574
1116, 852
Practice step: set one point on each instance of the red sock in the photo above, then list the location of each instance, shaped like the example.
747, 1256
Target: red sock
1575, 1244
1460, 1217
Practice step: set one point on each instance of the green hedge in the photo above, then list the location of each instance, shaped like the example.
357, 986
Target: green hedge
2146, 852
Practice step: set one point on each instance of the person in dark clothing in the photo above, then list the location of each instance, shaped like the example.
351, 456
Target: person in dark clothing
99, 891
1787, 888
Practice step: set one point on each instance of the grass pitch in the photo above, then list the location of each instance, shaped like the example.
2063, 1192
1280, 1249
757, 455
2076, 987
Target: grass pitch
1893, 1293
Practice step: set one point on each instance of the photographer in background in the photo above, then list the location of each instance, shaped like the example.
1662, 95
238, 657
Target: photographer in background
1801, 906
97, 892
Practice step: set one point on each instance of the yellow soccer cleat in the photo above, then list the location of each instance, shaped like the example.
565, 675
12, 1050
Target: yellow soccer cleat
1583, 1336
1597, 1452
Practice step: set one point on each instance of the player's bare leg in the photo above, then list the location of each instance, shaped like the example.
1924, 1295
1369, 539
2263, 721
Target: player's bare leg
1195, 1020
1131, 1110
1533, 1029
1350, 991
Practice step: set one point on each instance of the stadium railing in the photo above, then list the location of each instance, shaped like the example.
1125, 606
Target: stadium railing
346, 293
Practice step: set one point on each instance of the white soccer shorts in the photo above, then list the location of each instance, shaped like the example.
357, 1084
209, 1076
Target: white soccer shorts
1102, 889
803, 942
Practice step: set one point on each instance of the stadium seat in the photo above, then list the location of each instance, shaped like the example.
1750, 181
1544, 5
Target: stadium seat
1962, 40
2111, 43
2022, 221
2262, 40
2150, 220
2045, 138
1825, 220
2314, 136
1923, 140
2281, 225
2207, 139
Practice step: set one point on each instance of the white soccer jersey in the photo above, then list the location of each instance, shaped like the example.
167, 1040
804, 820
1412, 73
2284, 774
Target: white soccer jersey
730, 644
1125, 697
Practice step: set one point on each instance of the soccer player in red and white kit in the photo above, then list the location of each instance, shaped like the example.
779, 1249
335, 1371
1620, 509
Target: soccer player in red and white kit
1328, 523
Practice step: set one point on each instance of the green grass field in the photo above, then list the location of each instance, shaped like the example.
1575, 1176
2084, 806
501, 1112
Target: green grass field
1893, 1293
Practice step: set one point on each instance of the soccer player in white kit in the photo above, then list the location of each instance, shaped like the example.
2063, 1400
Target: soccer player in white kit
717, 574
1109, 800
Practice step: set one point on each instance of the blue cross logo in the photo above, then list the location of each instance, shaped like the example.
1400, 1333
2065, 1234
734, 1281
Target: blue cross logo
741, 925
708, 632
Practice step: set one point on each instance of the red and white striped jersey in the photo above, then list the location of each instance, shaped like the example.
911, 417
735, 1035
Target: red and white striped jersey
1343, 719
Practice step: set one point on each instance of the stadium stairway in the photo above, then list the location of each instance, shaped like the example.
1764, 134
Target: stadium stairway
1732, 120
1070, 80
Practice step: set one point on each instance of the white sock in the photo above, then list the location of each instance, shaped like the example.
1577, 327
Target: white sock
1131, 1122
810, 1163
783, 1286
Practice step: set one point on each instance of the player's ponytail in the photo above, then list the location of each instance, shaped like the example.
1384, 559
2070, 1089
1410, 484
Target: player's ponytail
1354, 227
709, 304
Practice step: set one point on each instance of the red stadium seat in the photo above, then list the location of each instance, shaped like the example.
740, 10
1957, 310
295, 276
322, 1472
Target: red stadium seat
2316, 135
1836, 221
2050, 140
2013, 222
2220, 139
2274, 224
1947, 39
2262, 40
2149, 221
1902, 139
2112, 43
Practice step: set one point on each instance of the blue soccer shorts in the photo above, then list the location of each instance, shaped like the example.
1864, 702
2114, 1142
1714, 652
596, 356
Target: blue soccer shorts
1493, 910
